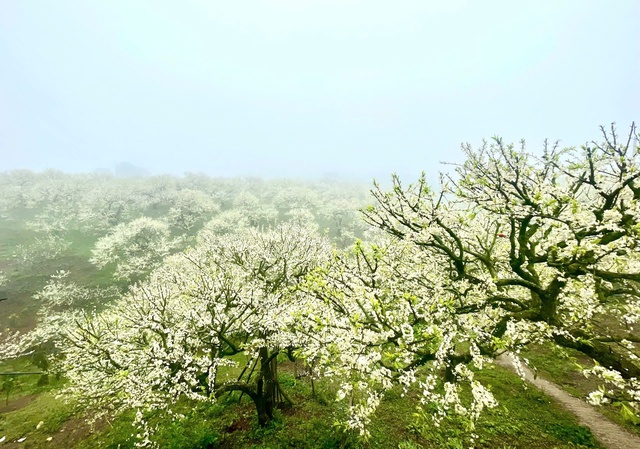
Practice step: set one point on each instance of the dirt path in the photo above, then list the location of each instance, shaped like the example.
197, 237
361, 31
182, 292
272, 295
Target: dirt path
16, 404
608, 433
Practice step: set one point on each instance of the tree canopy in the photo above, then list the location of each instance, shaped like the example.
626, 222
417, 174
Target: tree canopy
536, 247
514, 247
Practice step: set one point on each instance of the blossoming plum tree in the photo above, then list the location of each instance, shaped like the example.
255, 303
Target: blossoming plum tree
190, 206
63, 302
135, 247
536, 248
174, 335
514, 248
383, 314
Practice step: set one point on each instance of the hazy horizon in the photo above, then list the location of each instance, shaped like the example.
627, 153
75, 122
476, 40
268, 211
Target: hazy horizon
301, 89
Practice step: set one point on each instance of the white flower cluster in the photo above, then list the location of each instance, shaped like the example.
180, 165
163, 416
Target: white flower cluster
135, 248
171, 335
525, 248
514, 249
383, 321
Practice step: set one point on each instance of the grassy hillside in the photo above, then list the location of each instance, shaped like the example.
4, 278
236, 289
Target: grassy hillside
33, 413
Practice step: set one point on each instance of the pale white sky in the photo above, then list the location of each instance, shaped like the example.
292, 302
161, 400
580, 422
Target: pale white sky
298, 88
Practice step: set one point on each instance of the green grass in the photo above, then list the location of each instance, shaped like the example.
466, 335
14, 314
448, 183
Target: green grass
12, 234
193, 431
14, 387
563, 367
524, 419
527, 418
37, 420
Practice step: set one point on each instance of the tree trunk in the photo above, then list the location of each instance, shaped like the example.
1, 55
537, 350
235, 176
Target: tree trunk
263, 415
603, 354
266, 389
263, 394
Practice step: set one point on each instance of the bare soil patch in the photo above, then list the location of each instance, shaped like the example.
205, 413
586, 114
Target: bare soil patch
17, 403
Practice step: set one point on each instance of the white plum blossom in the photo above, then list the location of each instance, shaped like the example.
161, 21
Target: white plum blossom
384, 320
135, 248
62, 303
189, 207
173, 335
534, 248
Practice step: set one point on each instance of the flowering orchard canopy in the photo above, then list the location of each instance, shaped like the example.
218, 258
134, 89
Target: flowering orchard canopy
525, 247
135, 247
513, 248
381, 315
169, 337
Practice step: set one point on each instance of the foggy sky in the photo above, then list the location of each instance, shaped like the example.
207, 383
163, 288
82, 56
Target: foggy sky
299, 88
